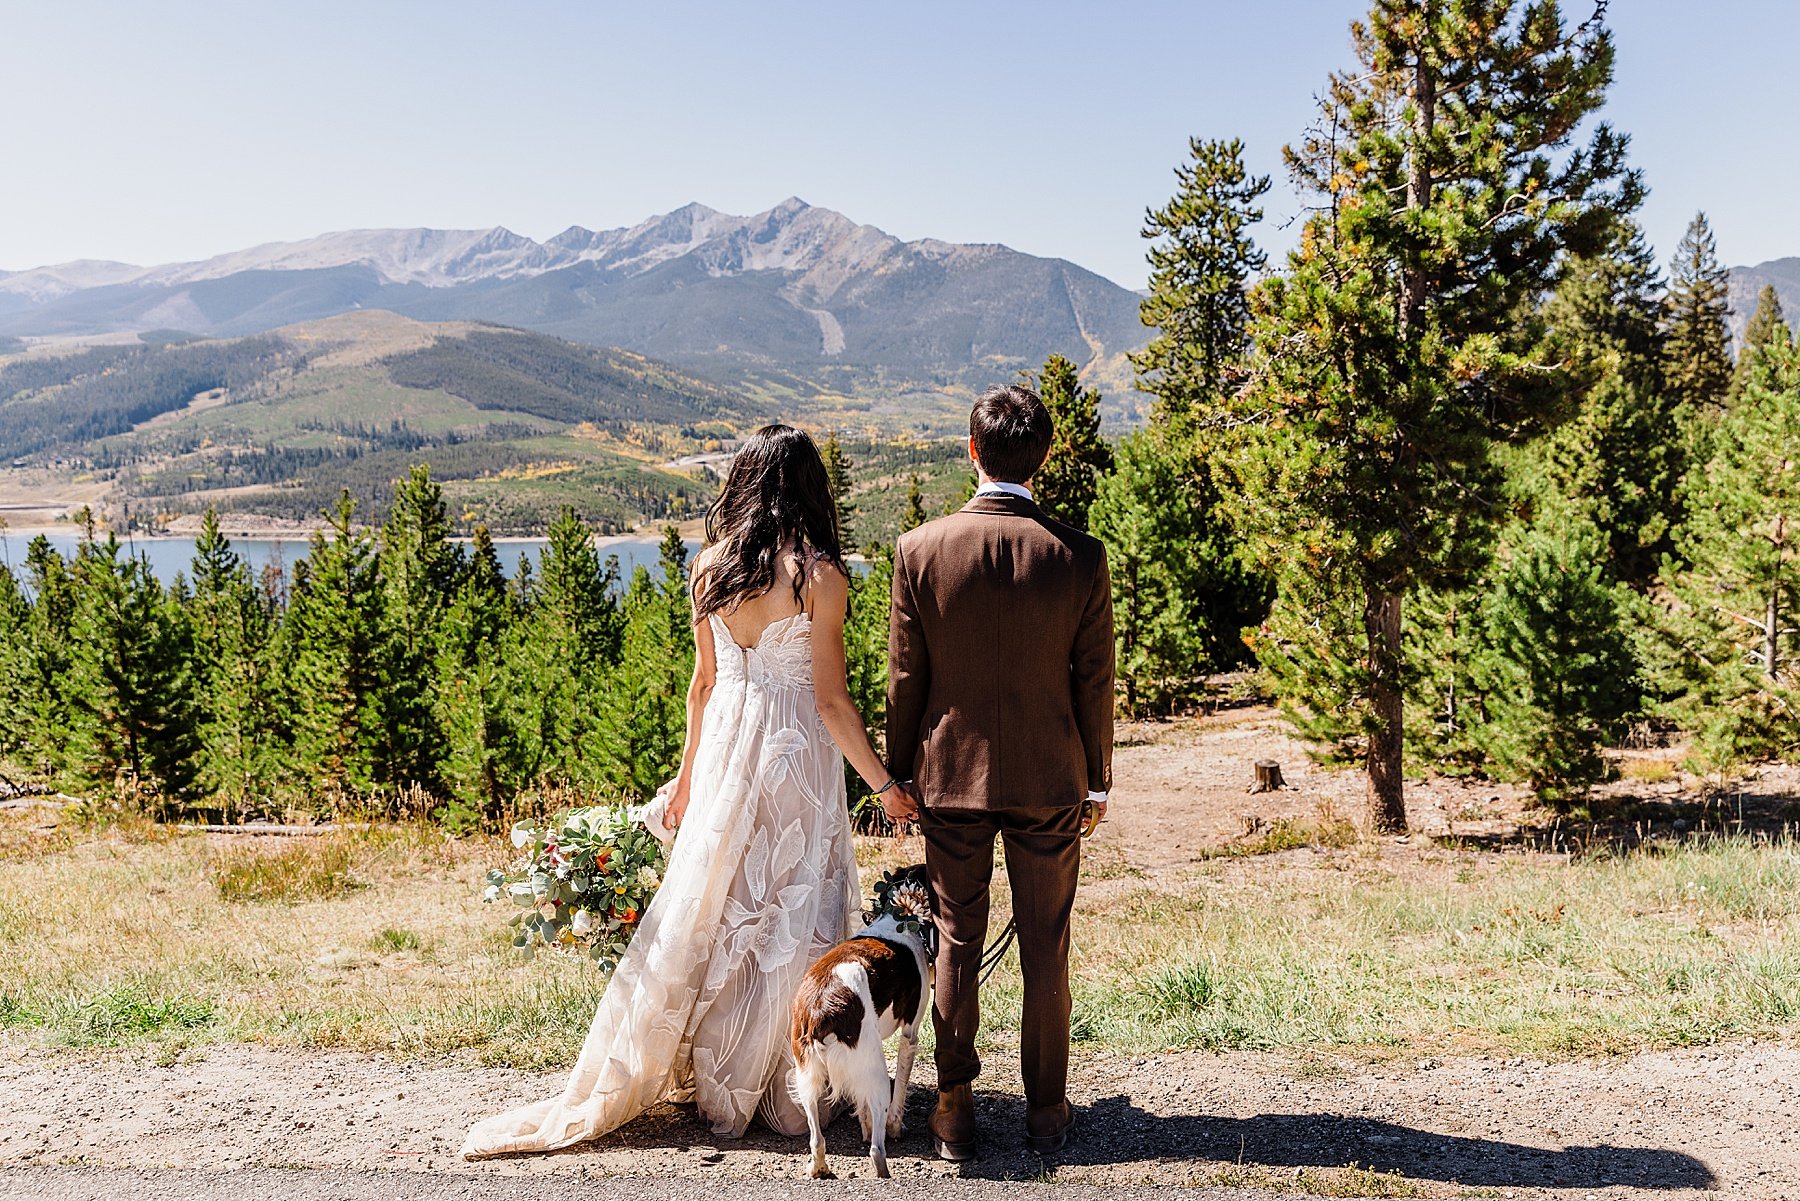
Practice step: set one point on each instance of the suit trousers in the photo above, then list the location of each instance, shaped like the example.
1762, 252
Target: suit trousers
1043, 862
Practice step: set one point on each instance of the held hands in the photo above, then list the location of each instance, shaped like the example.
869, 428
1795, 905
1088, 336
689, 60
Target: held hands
901, 803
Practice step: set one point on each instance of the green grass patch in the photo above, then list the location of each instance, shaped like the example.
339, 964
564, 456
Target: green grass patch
128, 1012
392, 940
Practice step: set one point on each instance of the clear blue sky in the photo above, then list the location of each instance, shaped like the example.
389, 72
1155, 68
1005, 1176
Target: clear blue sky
179, 129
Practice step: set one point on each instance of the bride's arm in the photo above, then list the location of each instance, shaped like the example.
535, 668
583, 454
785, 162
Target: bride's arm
700, 689
831, 600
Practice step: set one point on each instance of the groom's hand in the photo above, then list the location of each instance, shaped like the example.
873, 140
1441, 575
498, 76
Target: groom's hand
901, 804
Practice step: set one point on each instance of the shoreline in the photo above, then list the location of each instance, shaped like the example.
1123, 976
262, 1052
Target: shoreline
647, 533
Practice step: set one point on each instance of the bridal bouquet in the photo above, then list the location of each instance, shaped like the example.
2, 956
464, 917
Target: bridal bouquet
581, 883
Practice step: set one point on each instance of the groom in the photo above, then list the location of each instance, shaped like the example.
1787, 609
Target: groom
1000, 720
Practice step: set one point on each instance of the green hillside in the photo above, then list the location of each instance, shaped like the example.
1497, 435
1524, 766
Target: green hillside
515, 424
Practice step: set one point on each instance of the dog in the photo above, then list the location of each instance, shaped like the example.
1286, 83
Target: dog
852, 999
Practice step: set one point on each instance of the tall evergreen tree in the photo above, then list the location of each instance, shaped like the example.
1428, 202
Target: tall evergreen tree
1697, 322
838, 467
1619, 458
575, 634
130, 682
646, 695
1200, 266
233, 627
419, 569
491, 748
332, 644
1064, 486
44, 658
1768, 324
1732, 665
1157, 550
15, 630
1181, 592
1392, 355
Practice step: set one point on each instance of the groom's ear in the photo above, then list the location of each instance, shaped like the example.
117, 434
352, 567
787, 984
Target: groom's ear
973, 457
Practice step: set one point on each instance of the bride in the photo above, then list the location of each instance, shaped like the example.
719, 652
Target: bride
761, 879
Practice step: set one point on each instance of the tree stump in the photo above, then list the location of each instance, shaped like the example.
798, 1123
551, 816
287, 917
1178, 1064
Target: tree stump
1268, 777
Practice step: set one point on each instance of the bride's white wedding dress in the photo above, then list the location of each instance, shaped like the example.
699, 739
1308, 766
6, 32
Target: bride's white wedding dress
760, 881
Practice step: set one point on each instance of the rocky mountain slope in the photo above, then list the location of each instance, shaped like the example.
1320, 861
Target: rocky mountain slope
794, 301
1748, 282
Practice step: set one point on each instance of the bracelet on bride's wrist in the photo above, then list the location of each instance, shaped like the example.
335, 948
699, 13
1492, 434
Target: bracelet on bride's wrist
885, 787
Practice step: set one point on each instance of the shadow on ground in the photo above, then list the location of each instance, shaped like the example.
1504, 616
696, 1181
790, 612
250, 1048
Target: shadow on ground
1113, 1132
1623, 824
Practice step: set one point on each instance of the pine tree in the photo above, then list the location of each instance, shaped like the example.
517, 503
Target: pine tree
1158, 551
1768, 324
646, 695
491, 751
44, 657
838, 469
1697, 322
1731, 664
233, 625
1618, 460
419, 569
1064, 486
131, 691
574, 636
1391, 357
1199, 271
15, 629
332, 653
1556, 668
913, 516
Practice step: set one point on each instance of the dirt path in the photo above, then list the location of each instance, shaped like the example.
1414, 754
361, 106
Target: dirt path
1665, 1125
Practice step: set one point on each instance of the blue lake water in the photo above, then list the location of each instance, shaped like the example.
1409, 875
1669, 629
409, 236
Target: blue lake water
168, 556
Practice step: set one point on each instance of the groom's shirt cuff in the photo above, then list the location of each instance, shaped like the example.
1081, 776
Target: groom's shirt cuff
1099, 798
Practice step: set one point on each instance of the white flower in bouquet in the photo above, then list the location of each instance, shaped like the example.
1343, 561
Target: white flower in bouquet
581, 883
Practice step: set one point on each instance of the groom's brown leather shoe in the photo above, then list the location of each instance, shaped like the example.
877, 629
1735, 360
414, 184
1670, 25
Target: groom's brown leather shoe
1047, 1127
952, 1124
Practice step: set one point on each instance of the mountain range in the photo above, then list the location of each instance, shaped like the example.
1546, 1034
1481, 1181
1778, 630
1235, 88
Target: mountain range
1748, 282
797, 301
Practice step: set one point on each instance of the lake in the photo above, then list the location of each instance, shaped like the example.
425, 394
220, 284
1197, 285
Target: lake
168, 556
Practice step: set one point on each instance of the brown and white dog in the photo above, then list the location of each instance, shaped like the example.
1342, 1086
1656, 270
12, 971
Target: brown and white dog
856, 995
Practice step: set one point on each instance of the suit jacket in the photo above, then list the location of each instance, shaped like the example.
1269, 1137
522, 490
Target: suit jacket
1000, 660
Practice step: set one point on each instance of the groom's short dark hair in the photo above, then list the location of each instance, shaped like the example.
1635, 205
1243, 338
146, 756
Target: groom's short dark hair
1012, 432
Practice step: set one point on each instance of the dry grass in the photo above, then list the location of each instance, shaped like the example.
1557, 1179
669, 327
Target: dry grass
1327, 829
287, 869
125, 937
1648, 771
1349, 1181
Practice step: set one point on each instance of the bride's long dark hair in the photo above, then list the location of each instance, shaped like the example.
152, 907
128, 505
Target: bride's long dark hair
777, 497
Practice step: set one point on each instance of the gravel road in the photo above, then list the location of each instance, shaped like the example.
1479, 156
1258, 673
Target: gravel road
1684, 1124
338, 1184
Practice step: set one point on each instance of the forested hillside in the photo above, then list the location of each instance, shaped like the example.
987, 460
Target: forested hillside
515, 424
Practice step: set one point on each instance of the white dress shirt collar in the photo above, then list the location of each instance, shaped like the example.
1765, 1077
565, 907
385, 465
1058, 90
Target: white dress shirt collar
998, 487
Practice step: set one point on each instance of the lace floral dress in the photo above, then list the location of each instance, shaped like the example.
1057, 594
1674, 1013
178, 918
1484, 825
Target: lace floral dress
760, 882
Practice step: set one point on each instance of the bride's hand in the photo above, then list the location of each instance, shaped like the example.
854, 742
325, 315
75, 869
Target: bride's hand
675, 807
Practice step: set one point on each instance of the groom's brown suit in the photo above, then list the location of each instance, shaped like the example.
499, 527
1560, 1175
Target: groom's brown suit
1000, 710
